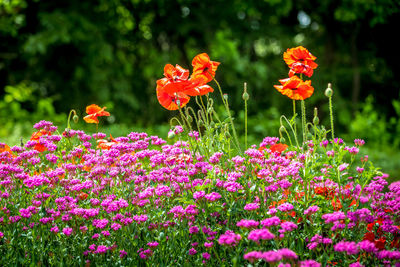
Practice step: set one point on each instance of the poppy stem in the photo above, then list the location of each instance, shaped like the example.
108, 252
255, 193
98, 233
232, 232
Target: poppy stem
245, 98
329, 93
294, 108
303, 121
184, 118
331, 115
69, 117
225, 101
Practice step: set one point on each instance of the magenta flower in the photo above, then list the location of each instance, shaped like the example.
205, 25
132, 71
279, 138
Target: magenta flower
67, 231
260, 234
229, 238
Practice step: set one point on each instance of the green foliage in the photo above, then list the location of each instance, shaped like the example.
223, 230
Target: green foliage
111, 52
21, 106
368, 124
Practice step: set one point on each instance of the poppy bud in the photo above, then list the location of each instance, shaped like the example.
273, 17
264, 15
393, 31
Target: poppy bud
210, 110
171, 134
245, 95
200, 122
316, 120
212, 124
282, 140
190, 119
315, 112
329, 91
75, 118
226, 96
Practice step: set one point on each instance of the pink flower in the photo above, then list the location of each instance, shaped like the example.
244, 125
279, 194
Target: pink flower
67, 231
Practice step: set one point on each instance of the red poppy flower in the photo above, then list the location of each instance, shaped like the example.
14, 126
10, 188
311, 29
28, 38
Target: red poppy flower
83, 196
169, 101
105, 144
95, 111
278, 148
176, 79
369, 236
301, 68
203, 68
295, 88
199, 90
380, 243
300, 60
4, 147
36, 137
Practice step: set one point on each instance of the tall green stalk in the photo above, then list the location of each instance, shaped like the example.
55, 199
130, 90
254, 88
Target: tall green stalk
329, 93
225, 101
245, 98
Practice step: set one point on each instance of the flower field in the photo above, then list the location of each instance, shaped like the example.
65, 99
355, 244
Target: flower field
305, 198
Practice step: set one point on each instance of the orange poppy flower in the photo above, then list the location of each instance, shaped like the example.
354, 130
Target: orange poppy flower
4, 147
299, 55
203, 68
295, 88
169, 101
36, 136
301, 68
176, 79
105, 144
278, 148
199, 90
95, 111
83, 196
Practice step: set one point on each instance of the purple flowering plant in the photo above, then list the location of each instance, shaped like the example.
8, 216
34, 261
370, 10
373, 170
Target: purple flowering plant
76, 198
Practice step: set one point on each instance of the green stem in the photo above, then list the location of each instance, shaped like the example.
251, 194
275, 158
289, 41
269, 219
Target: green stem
69, 117
303, 120
331, 115
245, 117
225, 101
294, 108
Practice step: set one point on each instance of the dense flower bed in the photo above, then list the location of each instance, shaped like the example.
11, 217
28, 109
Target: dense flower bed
137, 199
74, 198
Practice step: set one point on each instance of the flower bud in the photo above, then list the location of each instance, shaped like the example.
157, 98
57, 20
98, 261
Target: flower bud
329, 91
315, 112
190, 119
171, 134
316, 121
282, 140
75, 118
226, 96
245, 95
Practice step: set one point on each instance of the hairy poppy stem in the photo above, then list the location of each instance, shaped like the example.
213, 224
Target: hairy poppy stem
69, 117
331, 115
245, 98
329, 93
303, 120
225, 101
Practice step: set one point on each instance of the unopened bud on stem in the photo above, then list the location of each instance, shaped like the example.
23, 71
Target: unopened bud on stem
329, 91
245, 95
75, 118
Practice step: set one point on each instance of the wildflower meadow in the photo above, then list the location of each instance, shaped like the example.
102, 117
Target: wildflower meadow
200, 196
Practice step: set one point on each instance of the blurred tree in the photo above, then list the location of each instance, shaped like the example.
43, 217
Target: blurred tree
111, 52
